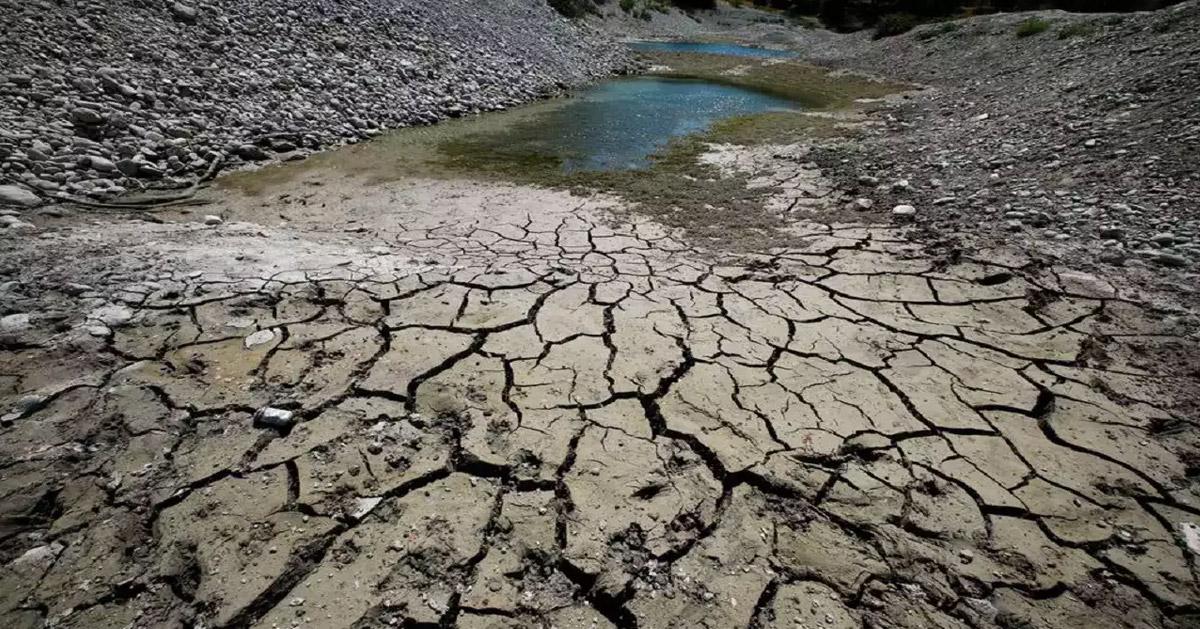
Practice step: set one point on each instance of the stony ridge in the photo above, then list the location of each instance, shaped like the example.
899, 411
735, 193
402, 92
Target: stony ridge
97, 98
1079, 141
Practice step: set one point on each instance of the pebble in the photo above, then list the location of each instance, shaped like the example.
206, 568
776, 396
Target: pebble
213, 219
1171, 260
904, 210
861, 204
252, 153
103, 165
183, 12
86, 117
1165, 239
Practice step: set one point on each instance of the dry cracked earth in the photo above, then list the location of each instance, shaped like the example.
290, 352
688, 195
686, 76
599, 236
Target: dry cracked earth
479, 405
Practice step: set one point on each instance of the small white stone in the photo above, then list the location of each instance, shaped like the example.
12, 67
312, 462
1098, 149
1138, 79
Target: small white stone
213, 219
275, 417
260, 337
904, 210
1191, 536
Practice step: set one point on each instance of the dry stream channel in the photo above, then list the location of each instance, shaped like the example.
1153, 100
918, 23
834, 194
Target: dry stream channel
611, 361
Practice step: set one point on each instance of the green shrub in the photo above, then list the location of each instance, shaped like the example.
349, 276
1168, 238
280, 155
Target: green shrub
1032, 26
1079, 29
895, 24
572, 8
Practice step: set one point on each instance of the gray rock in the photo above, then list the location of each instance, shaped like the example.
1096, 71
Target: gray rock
129, 167
112, 315
904, 211
103, 165
183, 12
14, 323
14, 223
1173, 260
18, 196
1165, 239
86, 117
213, 219
252, 153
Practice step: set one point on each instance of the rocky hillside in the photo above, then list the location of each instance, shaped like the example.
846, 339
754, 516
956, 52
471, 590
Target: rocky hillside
1079, 133
99, 97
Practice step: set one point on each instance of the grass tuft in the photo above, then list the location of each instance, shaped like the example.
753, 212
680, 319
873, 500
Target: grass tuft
1032, 26
944, 28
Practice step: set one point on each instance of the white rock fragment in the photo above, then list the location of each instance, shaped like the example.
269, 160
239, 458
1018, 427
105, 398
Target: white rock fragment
274, 417
260, 337
39, 556
1191, 536
363, 506
904, 210
112, 315
213, 219
862, 204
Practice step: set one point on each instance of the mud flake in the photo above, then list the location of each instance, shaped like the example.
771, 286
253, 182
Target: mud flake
240, 536
701, 404
659, 489
717, 583
413, 353
407, 562
809, 604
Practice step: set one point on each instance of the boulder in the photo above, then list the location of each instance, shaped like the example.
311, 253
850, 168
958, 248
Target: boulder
18, 196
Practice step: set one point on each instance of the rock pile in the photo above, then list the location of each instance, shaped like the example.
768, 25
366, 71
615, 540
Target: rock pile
1081, 139
97, 98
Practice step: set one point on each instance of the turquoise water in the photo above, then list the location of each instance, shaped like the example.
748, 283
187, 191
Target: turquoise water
711, 49
618, 124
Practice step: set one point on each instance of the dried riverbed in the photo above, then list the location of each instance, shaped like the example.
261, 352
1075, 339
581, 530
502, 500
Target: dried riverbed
364, 399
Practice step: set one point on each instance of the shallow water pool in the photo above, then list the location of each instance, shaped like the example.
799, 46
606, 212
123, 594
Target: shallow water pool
618, 124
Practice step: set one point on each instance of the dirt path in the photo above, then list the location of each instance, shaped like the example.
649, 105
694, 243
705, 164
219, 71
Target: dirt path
484, 405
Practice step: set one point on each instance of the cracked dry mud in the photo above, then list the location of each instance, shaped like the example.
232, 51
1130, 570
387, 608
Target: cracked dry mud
518, 408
